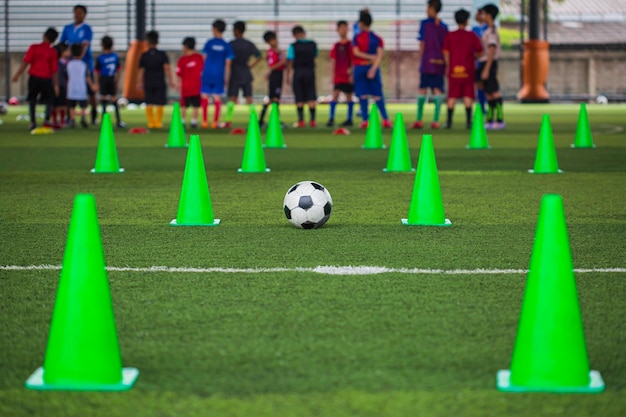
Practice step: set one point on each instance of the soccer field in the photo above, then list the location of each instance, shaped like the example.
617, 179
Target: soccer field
258, 318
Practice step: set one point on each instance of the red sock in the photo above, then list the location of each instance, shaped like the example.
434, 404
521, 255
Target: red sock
62, 115
218, 106
54, 117
204, 103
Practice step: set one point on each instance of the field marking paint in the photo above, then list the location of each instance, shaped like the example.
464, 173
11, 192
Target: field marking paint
325, 270
610, 130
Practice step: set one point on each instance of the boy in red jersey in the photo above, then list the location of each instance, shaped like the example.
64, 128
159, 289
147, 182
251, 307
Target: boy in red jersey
189, 72
43, 74
460, 49
342, 54
276, 62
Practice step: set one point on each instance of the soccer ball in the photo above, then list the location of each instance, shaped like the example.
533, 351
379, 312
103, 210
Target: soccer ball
602, 100
4, 108
122, 102
308, 205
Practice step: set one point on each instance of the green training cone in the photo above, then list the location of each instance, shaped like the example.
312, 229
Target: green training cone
83, 352
550, 354
253, 156
399, 159
177, 137
478, 134
374, 132
194, 207
426, 204
274, 135
106, 158
583, 137
545, 159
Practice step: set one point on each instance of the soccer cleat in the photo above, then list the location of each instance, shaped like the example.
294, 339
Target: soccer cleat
57, 126
213, 125
205, 125
83, 123
330, 123
227, 125
364, 124
194, 124
434, 125
489, 125
417, 125
32, 126
262, 125
468, 125
299, 124
347, 123
313, 123
448, 126
47, 124
121, 125
499, 125
387, 124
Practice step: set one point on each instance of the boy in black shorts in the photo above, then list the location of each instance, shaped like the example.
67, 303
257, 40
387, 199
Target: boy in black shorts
301, 60
276, 62
488, 69
240, 75
107, 77
154, 66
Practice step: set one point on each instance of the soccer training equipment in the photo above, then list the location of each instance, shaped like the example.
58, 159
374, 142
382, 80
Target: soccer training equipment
308, 205
545, 158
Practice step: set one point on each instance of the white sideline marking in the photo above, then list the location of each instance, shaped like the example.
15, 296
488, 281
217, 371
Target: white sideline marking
326, 270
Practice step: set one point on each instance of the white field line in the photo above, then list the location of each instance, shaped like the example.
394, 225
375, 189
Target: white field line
326, 270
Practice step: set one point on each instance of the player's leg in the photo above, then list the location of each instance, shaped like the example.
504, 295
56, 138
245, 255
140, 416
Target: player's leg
438, 99
421, 101
468, 100
333, 106
71, 106
205, 92
311, 95
247, 93
83, 113
47, 97
376, 91
217, 103
194, 103
348, 90
33, 92
480, 92
361, 91
299, 93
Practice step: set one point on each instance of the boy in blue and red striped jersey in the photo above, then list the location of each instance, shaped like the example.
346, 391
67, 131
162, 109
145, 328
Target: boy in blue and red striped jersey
367, 48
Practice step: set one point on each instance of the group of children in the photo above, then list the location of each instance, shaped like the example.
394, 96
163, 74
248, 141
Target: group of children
225, 67
63, 76
469, 61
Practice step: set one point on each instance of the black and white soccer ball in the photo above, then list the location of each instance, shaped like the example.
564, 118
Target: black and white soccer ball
308, 205
4, 108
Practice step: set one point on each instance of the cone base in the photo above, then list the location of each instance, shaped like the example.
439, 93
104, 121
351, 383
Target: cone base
275, 147
36, 382
216, 222
167, 145
476, 147
559, 171
596, 385
406, 223
574, 146
378, 147
241, 171
93, 171
398, 170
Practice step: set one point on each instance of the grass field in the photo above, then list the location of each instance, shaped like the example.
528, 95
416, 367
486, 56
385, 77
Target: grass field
239, 337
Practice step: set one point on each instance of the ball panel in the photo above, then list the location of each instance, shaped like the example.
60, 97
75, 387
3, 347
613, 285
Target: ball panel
328, 207
306, 202
309, 225
319, 198
298, 216
287, 212
315, 214
291, 200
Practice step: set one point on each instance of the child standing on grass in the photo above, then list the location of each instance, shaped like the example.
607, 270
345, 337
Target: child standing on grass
107, 77
241, 77
301, 61
189, 71
60, 101
489, 68
276, 62
343, 82
431, 33
460, 50
218, 56
367, 48
43, 80
479, 29
78, 79
154, 66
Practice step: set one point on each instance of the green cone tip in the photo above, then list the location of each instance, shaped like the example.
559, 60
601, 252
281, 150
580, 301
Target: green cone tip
177, 137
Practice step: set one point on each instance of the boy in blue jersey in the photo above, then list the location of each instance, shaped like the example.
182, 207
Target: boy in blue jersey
432, 67
81, 33
216, 72
479, 29
108, 76
367, 49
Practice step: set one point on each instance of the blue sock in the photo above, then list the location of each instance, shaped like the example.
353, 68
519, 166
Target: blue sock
381, 106
350, 110
364, 114
482, 99
333, 106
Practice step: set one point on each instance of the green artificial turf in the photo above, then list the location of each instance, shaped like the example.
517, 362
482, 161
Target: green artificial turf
300, 343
